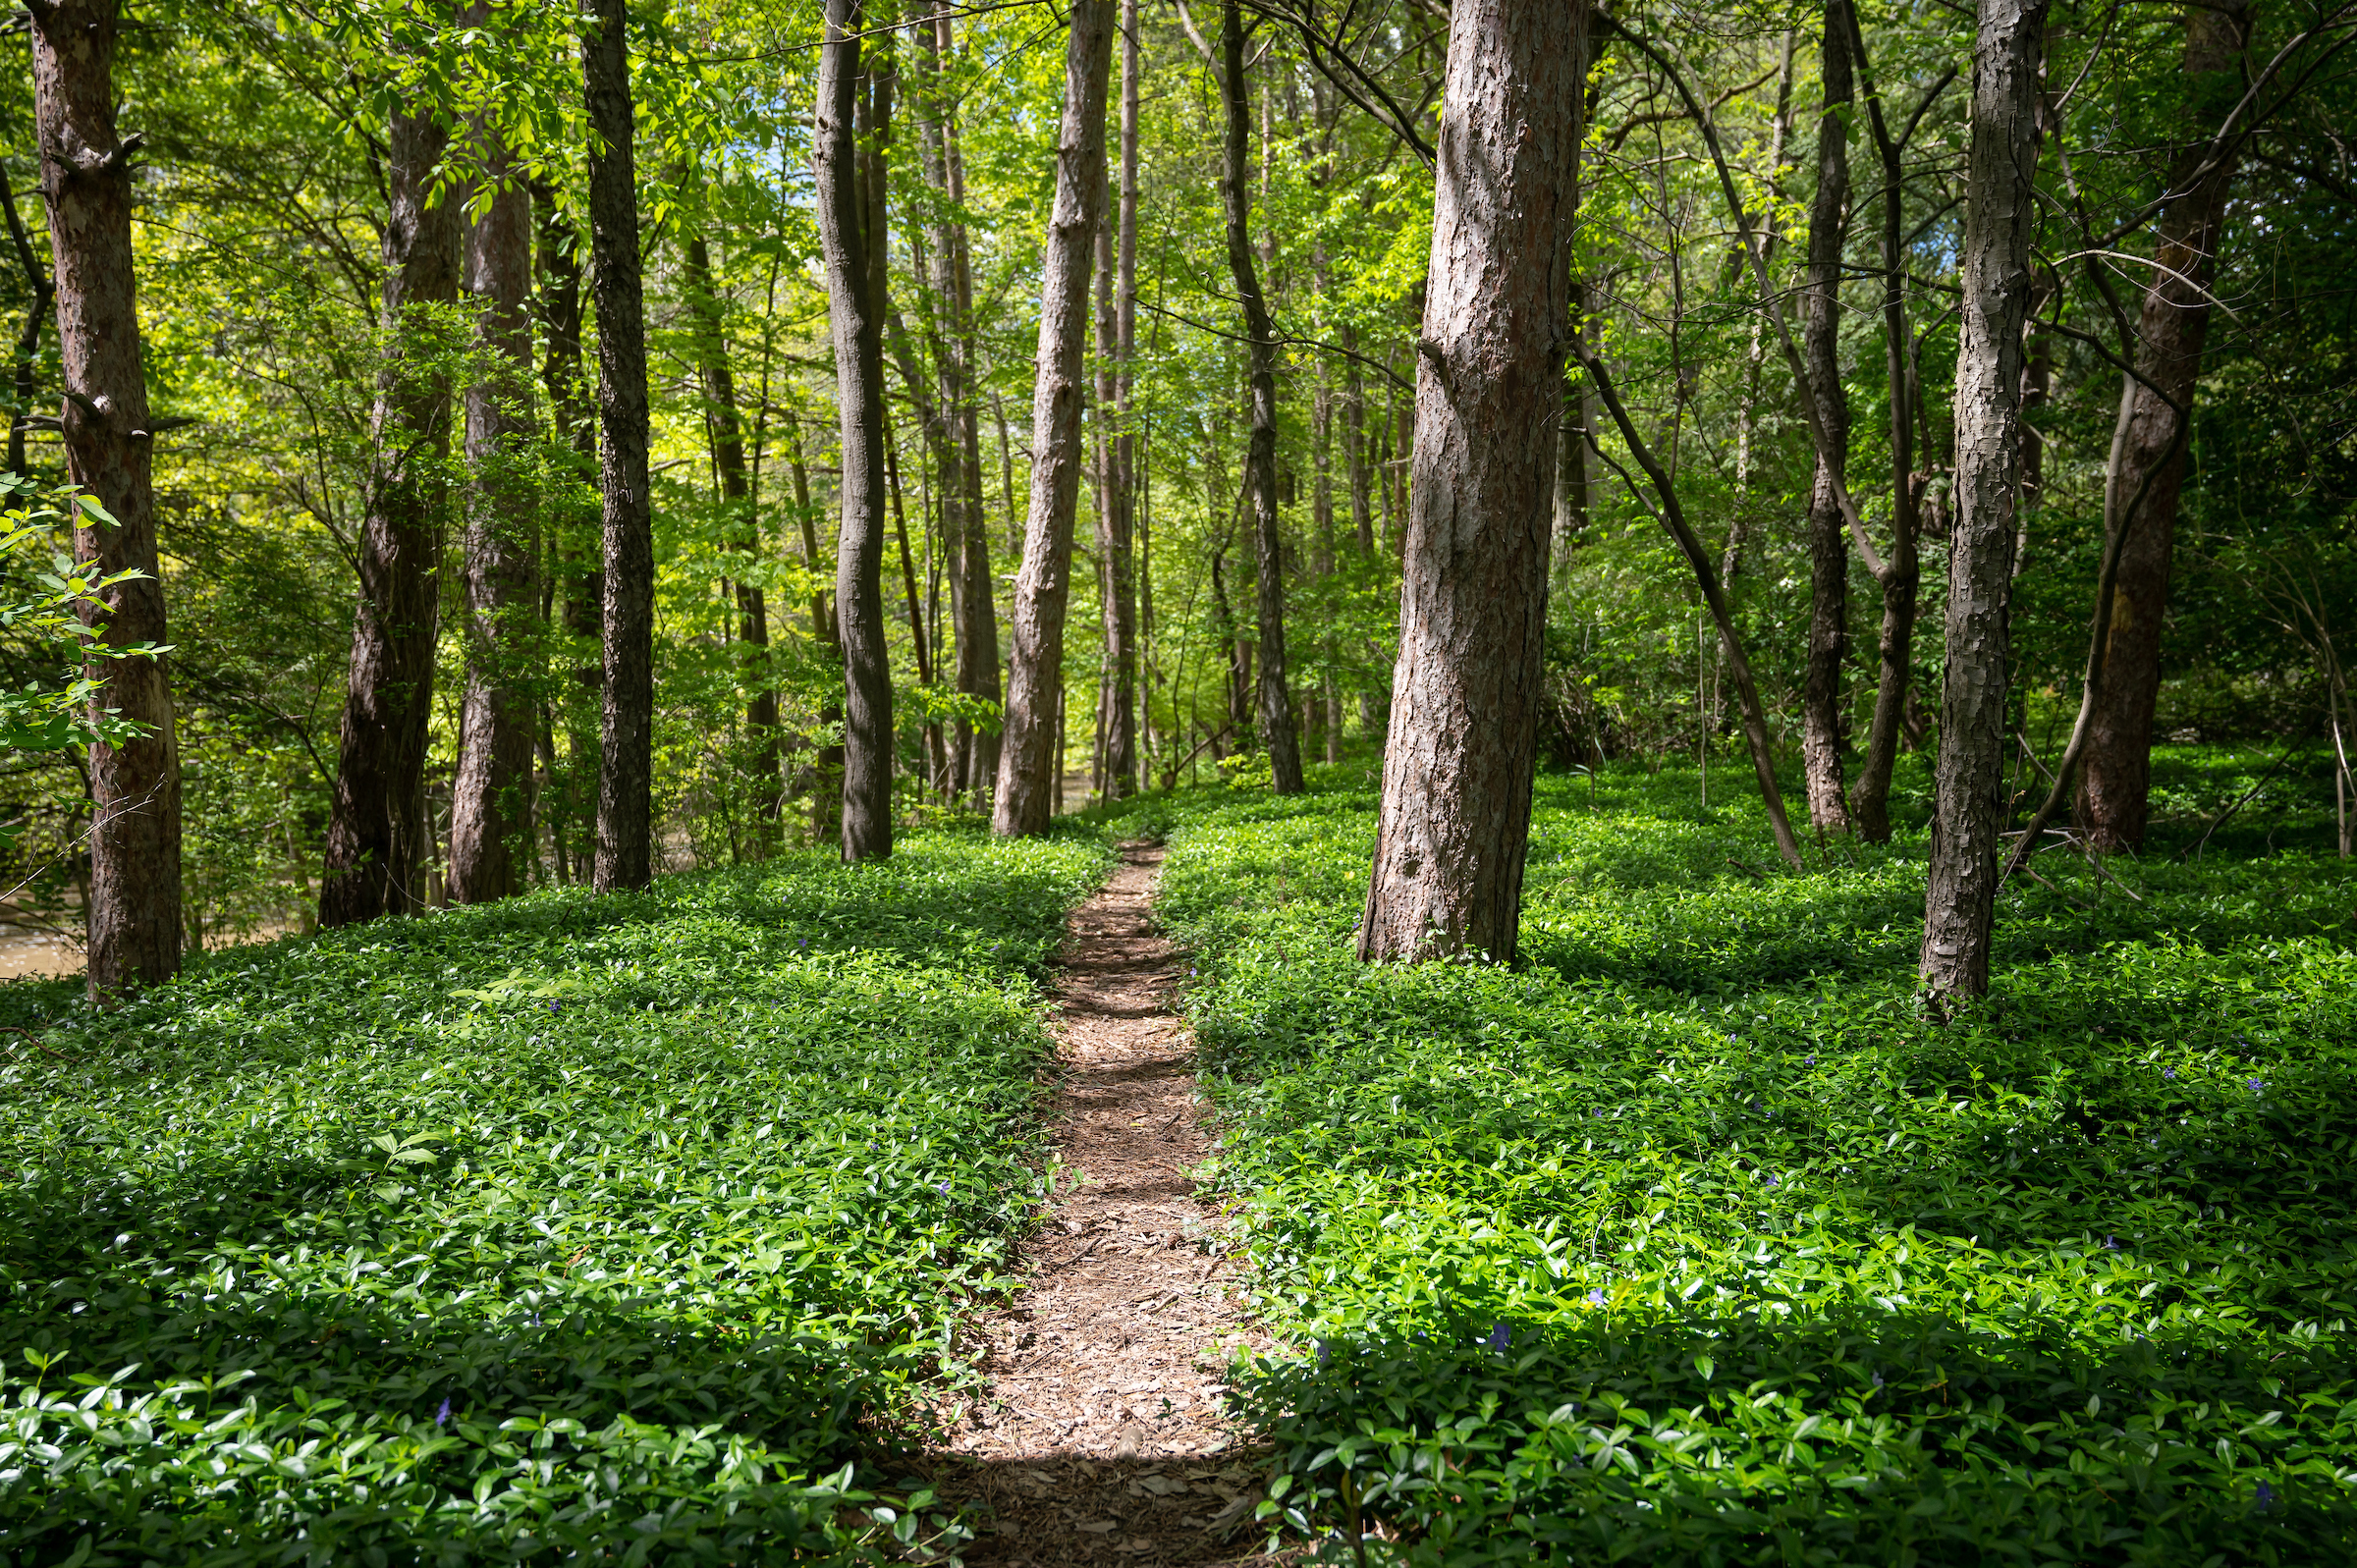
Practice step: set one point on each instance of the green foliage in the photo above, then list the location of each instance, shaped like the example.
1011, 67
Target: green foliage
505, 1233
43, 618
1690, 1240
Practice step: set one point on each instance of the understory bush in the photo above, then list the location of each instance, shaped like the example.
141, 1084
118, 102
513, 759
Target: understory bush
574, 1227
1689, 1239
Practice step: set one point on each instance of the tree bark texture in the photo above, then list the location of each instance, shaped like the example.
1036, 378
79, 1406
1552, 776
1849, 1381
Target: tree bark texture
1999, 220
490, 813
376, 823
134, 908
1277, 735
1821, 731
1457, 775
2115, 789
853, 311
1028, 762
1135, 593
626, 774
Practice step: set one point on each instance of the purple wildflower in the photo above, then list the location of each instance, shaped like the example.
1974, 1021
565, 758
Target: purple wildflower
1808, 1061
1500, 1337
1595, 1298
1878, 1380
2265, 1497
1324, 1355
552, 1006
2168, 1072
2112, 1243
2257, 1084
1771, 1181
942, 1189
442, 1414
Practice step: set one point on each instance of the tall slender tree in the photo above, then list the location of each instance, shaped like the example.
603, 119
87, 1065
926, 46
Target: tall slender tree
490, 814
1821, 729
1116, 694
1999, 218
1457, 775
847, 210
2115, 788
1131, 582
376, 829
134, 911
1276, 707
626, 774
1029, 763
724, 433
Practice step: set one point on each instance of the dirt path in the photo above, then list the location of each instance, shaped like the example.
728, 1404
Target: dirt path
1101, 1437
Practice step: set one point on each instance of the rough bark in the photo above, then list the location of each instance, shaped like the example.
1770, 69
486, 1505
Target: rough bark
490, 812
724, 432
134, 905
1456, 777
626, 773
1132, 586
1275, 715
376, 823
1821, 732
1028, 764
845, 211
2115, 789
2000, 214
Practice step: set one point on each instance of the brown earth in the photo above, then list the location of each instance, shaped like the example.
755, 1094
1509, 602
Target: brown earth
1100, 1435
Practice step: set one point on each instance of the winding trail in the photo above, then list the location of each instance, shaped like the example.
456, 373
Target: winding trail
1101, 1437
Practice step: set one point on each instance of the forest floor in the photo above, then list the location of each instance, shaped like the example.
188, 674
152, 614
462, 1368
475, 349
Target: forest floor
1099, 1436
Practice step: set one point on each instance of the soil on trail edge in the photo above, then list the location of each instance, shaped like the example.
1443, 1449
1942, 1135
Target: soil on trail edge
1100, 1436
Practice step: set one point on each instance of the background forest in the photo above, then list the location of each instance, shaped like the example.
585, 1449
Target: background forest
261, 214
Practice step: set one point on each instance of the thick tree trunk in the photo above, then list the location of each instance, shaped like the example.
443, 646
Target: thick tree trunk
490, 811
1457, 775
41, 305
724, 429
626, 774
1821, 731
134, 905
1029, 768
845, 210
1277, 734
2001, 215
2115, 788
376, 826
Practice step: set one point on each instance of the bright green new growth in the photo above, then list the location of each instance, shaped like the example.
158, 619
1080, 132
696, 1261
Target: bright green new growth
493, 1235
1690, 1241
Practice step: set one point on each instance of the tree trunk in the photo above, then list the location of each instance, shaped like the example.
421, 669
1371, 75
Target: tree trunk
1457, 774
973, 609
133, 897
2115, 787
41, 290
724, 429
1900, 574
580, 581
376, 826
1277, 734
1030, 772
625, 773
1821, 732
845, 210
490, 811
1118, 603
1136, 596
826, 766
2001, 213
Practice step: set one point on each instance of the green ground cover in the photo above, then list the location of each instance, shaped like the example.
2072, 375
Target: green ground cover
1689, 1241
569, 1228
